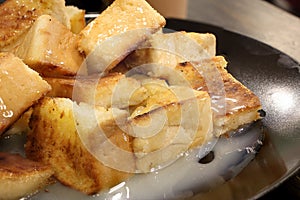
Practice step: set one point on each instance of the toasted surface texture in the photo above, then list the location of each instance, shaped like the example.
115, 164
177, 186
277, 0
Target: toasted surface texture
112, 90
17, 16
240, 104
20, 177
50, 48
17, 93
124, 24
60, 87
55, 140
169, 49
169, 122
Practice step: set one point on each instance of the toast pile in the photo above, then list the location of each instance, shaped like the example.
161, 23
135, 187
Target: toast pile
125, 97
18, 16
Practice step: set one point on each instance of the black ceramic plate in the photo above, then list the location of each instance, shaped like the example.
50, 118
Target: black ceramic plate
275, 78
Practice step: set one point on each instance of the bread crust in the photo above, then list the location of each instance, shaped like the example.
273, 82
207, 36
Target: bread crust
125, 23
17, 16
20, 177
241, 105
50, 48
54, 139
14, 88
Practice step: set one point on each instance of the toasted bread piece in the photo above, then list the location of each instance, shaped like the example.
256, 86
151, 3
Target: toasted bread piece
61, 133
77, 18
113, 90
61, 87
233, 104
20, 177
17, 93
116, 32
240, 104
169, 49
17, 16
206, 40
50, 48
169, 122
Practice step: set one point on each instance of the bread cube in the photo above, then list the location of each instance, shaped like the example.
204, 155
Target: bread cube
171, 121
20, 177
50, 48
116, 32
20, 88
17, 16
77, 18
66, 136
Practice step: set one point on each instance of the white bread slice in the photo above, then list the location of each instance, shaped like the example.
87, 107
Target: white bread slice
116, 32
20, 177
50, 48
20, 88
17, 16
66, 136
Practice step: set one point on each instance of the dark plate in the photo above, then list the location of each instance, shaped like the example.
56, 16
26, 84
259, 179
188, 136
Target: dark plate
275, 78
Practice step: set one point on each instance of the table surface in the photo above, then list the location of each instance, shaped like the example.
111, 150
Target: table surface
259, 20
256, 18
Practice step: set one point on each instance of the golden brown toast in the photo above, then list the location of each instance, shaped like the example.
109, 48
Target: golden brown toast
240, 104
168, 123
111, 90
20, 88
59, 127
60, 87
124, 24
189, 124
17, 16
169, 49
50, 48
21, 177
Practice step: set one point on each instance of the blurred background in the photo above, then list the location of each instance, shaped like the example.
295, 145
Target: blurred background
292, 6
175, 8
